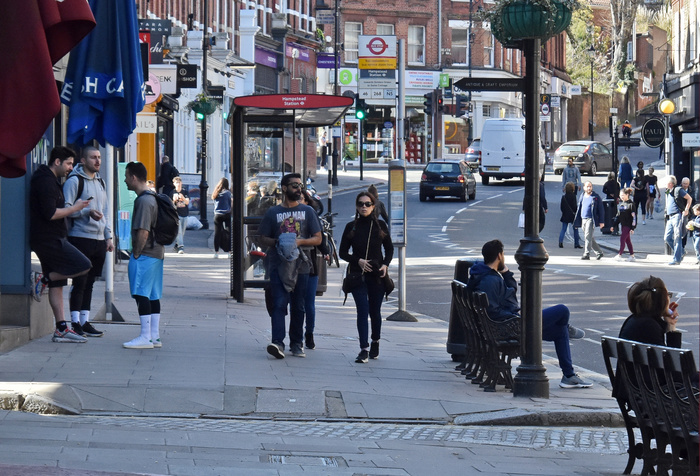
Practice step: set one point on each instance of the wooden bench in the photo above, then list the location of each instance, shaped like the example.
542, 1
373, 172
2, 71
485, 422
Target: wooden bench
491, 345
655, 389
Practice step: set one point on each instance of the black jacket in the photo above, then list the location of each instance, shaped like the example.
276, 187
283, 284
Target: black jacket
45, 196
568, 208
649, 330
355, 237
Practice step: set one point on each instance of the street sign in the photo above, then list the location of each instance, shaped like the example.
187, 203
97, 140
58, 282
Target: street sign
629, 142
690, 139
325, 16
490, 84
654, 132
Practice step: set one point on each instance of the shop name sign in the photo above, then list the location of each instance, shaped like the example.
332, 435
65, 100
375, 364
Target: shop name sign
490, 84
654, 132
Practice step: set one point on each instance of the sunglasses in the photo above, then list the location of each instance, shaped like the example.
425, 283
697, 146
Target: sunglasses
296, 185
365, 204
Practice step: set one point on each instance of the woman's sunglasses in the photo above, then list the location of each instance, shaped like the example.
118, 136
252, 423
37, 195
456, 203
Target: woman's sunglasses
365, 204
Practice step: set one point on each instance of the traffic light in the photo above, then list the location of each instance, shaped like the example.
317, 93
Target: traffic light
428, 103
200, 116
360, 109
462, 106
439, 101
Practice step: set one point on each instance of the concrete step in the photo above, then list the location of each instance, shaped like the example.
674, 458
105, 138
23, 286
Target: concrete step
12, 337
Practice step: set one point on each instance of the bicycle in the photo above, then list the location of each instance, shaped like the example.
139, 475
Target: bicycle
327, 230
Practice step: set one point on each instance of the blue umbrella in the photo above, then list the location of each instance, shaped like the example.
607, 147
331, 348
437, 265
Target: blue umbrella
104, 86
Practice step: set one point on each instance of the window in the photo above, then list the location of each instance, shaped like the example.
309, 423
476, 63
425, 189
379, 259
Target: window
352, 41
416, 45
386, 29
486, 110
460, 46
488, 49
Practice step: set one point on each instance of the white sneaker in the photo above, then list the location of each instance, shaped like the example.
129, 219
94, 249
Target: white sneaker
618, 258
139, 343
216, 255
157, 343
632, 258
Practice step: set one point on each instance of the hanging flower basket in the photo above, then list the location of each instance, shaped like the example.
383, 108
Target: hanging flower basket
529, 20
514, 20
202, 104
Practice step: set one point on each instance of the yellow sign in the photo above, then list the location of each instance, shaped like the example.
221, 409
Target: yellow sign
377, 63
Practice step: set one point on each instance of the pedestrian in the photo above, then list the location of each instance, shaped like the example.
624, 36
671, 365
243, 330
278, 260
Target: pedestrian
222, 215
685, 183
627, 219
589, 213
493, 278
289, 231
323, 150
59, 259
146, 263
611, 189
694, 230
543, 203
677, 206
639, 185
89, 230
568, 212
627, 130
317, 255
572, 174
652, 192
624, 175
361, 246
167, 173
181, 200
381, 209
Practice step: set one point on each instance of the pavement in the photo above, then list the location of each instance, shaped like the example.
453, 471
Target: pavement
213, 367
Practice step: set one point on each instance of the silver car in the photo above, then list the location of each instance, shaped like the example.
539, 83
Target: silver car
588, 156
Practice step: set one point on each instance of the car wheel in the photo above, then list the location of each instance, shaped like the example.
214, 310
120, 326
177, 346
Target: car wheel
422, 197
485, 179
472, 195
594, 169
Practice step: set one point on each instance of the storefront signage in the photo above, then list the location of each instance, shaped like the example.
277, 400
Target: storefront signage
167, 76
152, 89
146, 123
691, 139
266, 57
654, 132
327, 60
187, 76
490, 84
304, 53
293, 101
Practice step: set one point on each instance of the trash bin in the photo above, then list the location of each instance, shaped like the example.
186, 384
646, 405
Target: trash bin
456, 338
322, 266
610, 211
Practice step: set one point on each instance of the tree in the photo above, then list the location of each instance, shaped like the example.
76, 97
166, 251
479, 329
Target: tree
623, 14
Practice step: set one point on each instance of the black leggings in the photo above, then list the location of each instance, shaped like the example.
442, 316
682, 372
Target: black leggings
219, 220
640, 199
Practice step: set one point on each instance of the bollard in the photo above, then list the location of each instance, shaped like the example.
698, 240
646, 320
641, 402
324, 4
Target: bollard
456, 338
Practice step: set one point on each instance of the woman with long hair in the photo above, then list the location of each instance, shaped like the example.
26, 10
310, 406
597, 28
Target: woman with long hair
361, 246
568, 212
639, 184
222, 215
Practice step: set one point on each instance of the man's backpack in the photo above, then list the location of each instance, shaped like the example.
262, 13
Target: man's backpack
167, 222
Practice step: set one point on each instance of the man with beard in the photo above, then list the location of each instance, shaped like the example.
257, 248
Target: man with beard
290, 231
89, 231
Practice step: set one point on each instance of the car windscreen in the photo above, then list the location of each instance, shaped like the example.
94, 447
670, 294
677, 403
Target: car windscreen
571, 149
443, 168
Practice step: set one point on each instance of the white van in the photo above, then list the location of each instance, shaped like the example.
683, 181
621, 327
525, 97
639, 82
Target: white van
503, 149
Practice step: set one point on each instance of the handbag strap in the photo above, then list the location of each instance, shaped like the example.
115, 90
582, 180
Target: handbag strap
369, 235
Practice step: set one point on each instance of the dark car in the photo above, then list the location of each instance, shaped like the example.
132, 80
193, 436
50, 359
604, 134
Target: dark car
451, 179
473, 154
588, 156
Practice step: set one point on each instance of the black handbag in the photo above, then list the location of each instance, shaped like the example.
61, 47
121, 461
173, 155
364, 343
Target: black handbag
351, 282
388, 285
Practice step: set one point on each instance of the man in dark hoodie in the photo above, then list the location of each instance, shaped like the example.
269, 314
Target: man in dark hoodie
493, 278
47, 235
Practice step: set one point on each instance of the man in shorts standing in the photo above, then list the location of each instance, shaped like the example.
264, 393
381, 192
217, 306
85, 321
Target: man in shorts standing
47, 235
146, 263
89, 231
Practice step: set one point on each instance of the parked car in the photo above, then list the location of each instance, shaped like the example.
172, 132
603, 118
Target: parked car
473, 154
589, 157
446, 178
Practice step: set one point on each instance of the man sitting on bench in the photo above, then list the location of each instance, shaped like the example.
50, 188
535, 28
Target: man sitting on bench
493, 278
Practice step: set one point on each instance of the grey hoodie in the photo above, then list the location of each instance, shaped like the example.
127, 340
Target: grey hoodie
80, 224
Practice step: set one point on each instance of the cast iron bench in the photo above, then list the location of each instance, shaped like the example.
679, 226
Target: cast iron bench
664, 413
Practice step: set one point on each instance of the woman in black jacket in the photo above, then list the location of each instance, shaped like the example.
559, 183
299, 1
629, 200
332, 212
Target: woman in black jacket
366, 236
639, 184
654, 316
568, 212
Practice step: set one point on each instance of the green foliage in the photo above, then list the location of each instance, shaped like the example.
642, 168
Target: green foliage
582, 35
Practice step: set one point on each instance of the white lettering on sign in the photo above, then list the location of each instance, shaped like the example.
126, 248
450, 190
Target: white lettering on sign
293, 102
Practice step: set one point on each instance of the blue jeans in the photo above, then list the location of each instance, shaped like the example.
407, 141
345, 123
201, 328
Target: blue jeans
310, 304
696, 244
180, 240
555, 328
562, 233
368, 301
672, 236
280, 299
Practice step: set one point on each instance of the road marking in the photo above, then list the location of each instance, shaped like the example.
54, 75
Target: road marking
444, 229
495, 196
461, 210
517, 190
450, 219
475, 203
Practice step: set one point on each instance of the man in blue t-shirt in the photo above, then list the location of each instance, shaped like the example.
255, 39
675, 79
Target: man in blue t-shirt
677, 206
589, 213
289, 274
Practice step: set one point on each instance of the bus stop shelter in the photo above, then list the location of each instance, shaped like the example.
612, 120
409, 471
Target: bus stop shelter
264, 147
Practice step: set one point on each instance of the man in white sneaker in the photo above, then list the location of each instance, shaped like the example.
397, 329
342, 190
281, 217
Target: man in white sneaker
89, 231
493, 278
146, 263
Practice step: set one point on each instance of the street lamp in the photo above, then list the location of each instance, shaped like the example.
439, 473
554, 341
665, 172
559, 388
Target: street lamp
667, 107
591, 55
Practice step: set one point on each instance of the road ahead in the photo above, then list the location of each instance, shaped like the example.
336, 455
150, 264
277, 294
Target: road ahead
441, 231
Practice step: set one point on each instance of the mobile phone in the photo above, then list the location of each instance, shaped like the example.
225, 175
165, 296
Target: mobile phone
89, 198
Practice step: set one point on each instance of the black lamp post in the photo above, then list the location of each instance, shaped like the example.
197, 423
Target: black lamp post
203, 185
591, 54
